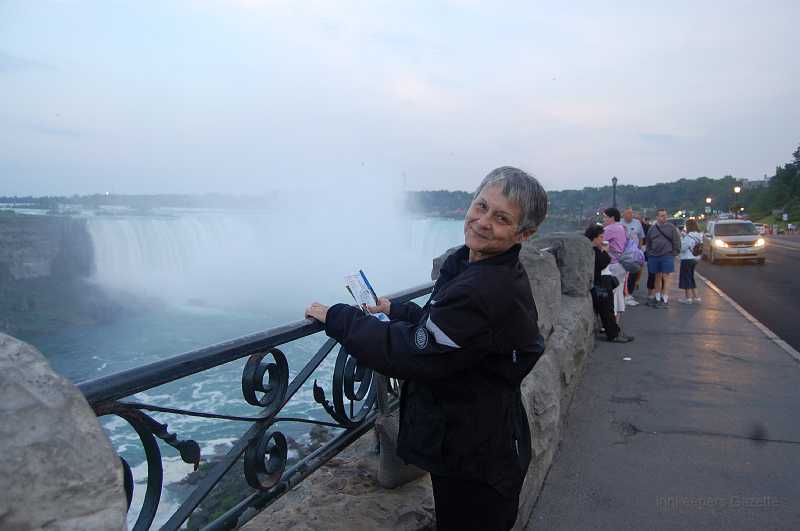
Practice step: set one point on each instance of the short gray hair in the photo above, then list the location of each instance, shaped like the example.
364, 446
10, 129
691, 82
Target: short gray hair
523, 190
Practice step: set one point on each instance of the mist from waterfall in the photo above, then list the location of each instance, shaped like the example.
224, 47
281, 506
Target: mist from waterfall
274, 260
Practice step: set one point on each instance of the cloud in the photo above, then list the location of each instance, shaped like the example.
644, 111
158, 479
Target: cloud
12, 63
661, 139
63, 132
432, 93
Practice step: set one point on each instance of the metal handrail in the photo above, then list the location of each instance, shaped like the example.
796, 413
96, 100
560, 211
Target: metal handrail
263, 447
132, 381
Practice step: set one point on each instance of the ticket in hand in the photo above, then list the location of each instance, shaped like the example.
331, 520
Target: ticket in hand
361, 291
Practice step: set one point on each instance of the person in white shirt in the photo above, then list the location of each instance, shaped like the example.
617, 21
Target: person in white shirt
689, 261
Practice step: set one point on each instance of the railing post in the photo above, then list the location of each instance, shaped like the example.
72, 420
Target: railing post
392, 471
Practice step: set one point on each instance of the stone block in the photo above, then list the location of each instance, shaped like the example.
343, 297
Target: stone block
439, 260
545, 281
58, 470
573, 336
574, 258
541, 395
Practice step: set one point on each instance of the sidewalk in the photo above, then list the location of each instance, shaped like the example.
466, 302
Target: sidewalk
699, 430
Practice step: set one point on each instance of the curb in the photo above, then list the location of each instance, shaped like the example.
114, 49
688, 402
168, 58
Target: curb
761, 326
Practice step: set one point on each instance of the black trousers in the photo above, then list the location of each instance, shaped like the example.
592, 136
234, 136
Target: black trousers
651, 280
466, 505
603, 303
632, 281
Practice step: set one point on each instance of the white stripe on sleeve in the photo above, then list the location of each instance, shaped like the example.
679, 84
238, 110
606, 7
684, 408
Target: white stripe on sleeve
438, 335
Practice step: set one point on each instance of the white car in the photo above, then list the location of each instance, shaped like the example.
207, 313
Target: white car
733, 239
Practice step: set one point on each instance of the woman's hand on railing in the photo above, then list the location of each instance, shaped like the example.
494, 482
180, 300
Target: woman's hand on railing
317, 311
383, 306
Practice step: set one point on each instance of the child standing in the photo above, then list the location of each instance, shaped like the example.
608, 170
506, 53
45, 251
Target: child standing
689, 242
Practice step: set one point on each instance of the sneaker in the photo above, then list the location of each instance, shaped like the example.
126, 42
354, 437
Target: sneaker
697, 300
685, 301
629, 298
622, 338
651, 301
631, 302
662, 305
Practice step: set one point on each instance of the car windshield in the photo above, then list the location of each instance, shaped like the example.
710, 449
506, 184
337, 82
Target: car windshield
735, 229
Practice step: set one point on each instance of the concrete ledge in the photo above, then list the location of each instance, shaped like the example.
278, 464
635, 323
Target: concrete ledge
344, 495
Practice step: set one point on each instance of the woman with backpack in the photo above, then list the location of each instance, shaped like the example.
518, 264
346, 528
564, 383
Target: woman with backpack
691, 251
616, 236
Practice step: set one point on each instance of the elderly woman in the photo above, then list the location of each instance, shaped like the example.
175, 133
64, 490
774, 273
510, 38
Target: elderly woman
462, 358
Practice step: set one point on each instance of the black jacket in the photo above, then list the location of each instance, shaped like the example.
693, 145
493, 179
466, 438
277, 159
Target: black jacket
462, 358
601, 261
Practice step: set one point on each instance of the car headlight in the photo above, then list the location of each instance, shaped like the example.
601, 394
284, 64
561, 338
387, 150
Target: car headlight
760, 242
719, 243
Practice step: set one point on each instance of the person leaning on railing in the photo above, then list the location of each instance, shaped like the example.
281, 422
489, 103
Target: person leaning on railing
463, 357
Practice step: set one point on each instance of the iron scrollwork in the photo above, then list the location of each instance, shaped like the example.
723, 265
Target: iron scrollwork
265, 459
274, 391
347, 374
147, 429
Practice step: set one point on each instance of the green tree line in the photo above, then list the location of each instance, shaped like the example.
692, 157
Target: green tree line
783, 192
759, 199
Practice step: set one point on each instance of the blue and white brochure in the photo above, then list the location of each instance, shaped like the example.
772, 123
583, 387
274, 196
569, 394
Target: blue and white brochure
362, 292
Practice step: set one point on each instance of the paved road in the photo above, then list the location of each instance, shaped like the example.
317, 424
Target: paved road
770, 292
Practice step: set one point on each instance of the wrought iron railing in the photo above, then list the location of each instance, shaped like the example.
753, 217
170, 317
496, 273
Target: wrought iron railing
265, 385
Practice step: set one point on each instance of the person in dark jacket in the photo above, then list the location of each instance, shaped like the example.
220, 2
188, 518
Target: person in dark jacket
462, 358
603, 287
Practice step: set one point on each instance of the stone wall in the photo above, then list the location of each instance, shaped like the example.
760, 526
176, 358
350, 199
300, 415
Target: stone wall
58, 470
44, 246
44, 265
345, 493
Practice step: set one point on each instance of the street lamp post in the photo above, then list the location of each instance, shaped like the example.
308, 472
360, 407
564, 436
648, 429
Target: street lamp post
736, 190
614, 191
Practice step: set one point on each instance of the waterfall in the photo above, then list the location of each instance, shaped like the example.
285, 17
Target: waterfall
258, 259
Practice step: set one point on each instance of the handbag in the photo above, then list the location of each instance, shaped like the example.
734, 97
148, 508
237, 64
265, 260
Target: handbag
608, 282
632, 257
697, 248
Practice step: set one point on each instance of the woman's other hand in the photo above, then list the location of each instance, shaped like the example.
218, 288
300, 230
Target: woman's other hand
317, 311
383, 306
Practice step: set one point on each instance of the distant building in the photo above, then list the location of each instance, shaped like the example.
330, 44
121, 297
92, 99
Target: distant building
755, 183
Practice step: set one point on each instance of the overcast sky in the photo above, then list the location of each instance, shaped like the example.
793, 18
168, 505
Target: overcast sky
247, 96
